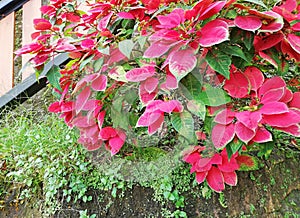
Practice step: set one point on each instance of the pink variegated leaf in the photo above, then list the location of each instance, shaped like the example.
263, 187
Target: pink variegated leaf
92, 104
273, 95
140, 74
222, 134
248, 22
292, 130
55, 107
171, 20
171, 106
192, 157
274, 108
102, 24
275, 25
73, 17
216, 159
42, 24
225, 116
213, 33
87, 43
273, 83
200, 176
244, 133
154, 126
226, 165
154, 106
294, 42
115, 55
268, 58
150, 84
108, 132
262, 135
89, 145
29, 48
159, 48
82, 98
83, 82
91, 132
115, 145
288, 96
296, 27
65, 47
204, 161
255, 77
268, 41
295, 102
125, 15
117, 142
182, 62
230, 178
67, 106
83, 122
100, 83
100, 119
237, 86
171, 81
145, 96
146, 119
48, 10
205, 166
289, 52
143, 120
282, 120
215, 179
211, 10
289, 5
249, 119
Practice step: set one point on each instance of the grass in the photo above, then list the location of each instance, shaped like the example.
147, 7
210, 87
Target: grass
37, 151
42, 165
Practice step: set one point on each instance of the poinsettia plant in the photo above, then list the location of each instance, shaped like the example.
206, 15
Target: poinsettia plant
141, 63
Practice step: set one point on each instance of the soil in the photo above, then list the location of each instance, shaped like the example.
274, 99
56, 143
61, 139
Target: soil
273, 191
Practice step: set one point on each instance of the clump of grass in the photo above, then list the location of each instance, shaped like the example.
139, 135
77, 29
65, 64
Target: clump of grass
38, 153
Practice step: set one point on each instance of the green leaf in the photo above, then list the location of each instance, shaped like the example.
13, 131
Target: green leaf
183, 123
241, 37
131, 96
213, 96
219, 62
233, 147
126, 47
85, 62
248, 39
98, 64
197, 107
266, 149
191, 85
142, 41
104, 50
53, 76
118, 115
234, 50
257, 2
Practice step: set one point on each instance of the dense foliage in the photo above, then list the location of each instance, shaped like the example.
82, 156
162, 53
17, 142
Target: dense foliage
174, 64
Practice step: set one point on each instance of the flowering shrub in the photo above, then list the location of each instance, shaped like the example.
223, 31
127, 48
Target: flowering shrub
169, 62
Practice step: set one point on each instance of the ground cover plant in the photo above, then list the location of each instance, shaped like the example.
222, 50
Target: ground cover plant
218, 76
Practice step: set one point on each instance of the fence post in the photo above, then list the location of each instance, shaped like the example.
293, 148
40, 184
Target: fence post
7, 32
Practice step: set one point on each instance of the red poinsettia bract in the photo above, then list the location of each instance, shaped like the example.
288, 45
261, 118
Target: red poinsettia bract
216, 169
270, 106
